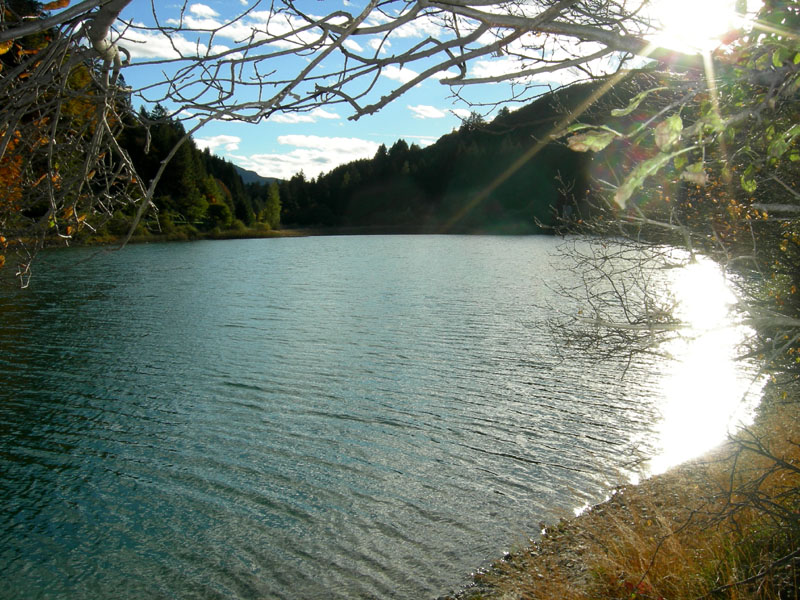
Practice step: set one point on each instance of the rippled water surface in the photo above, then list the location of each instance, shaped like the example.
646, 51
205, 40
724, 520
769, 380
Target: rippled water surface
343, 417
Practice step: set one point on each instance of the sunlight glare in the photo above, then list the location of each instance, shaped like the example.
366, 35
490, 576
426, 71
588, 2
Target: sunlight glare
696, 25
707, 392
703, 295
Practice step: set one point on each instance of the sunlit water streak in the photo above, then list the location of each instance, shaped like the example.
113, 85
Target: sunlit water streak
301, 418
706, 380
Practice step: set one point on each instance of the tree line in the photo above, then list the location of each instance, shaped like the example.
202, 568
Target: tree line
201, 192
461, 183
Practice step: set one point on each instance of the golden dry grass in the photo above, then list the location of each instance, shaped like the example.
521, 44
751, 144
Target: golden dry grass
715, 528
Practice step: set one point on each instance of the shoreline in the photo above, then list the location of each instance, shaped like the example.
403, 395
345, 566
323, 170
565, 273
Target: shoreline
256, 233
666, 528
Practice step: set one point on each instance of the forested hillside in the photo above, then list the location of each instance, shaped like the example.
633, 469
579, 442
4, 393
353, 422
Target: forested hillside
475, 179
200, 191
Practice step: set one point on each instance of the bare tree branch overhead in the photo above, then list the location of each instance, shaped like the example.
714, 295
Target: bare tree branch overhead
229, 68
65, 98
242, 80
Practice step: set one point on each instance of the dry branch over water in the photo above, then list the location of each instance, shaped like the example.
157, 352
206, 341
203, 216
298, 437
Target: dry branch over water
723, 526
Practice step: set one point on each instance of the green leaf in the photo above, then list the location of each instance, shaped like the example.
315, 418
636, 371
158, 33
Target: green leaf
794, 156
792, 133
749, 184
591, 141
778, 57
668, 132
680, 162
577, 127
638, 175
634, 104
580, 127
695, 173
777, 148
796, 59
713, 122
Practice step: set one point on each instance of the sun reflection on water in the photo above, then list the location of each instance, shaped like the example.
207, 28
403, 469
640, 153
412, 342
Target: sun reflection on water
707, 392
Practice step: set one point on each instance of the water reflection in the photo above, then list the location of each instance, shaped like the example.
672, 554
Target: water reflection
706, 391
306, 417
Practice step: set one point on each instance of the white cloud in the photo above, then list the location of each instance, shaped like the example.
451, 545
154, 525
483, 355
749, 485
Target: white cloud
445, 74
188, 22
461, 113
229, 143
424, 111
312, 154
421, 27
152, 44
421, 140
256, 25
353, 45
155, 44
494, 67
376, 43
310, 117
203, 10
200, 19
266, 25
396, 73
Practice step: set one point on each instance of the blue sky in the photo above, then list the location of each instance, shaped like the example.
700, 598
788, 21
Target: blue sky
314, 142
319, 140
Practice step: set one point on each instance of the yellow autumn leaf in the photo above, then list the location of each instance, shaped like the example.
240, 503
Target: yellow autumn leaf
6, 46
2, 261
56, 5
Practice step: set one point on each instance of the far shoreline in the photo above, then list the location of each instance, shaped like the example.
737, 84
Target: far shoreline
515, 230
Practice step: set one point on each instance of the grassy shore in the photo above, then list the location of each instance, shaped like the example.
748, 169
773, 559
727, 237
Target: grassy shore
723, 526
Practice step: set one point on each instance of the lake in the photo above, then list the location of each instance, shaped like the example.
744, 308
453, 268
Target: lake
327, 417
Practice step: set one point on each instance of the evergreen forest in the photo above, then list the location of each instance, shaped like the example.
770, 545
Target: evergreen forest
481, 178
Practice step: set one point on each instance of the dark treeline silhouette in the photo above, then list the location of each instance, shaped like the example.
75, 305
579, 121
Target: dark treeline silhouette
199, 191
465, 182
481, 177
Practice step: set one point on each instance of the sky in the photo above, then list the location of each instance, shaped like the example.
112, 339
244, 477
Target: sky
315, 142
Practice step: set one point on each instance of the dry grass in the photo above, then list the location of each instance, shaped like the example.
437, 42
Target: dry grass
727, 526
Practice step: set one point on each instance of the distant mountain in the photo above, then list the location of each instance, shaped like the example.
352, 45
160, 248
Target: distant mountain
253, 177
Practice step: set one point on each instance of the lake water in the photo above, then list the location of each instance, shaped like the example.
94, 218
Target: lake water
340, 417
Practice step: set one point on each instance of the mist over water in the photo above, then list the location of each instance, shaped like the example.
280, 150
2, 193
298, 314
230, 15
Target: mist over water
341, 417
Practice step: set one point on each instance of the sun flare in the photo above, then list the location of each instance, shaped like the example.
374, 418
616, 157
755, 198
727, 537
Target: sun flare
696, 25
707, 391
